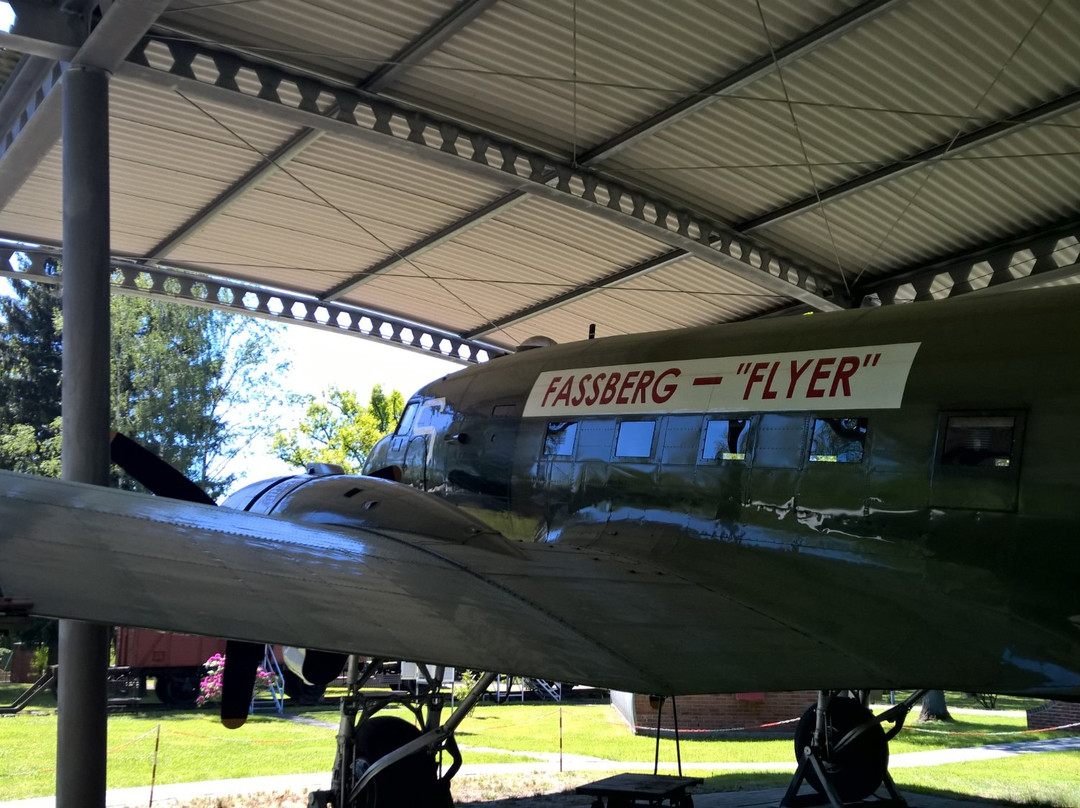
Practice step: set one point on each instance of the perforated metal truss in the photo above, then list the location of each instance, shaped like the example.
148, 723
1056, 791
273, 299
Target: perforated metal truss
128, 277
305, 102
1044, 259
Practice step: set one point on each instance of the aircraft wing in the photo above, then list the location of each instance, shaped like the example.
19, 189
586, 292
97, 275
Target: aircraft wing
382, 569
564, 614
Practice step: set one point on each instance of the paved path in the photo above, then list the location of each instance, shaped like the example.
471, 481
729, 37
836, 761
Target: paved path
180, 793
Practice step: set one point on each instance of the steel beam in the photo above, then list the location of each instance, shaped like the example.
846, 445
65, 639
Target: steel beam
1039, 259
130, 276
394, 127
705, 97
742, 78
30, 123
914, 162
440, 32
30, 130
433, 38
84, 648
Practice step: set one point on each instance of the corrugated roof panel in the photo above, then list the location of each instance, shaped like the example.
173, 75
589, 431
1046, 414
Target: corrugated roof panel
941, 209
172, 119
513, 68
421, 178
300, 220
704, 293
449, 303
270, 254
732, 160
898, 84
567, 243
528, 254
560, 325
35, 211
337, 38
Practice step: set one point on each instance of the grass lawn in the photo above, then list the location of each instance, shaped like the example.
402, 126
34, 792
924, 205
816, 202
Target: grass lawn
1048, 778
194, 746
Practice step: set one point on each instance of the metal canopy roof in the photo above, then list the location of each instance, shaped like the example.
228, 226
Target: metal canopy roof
459, 176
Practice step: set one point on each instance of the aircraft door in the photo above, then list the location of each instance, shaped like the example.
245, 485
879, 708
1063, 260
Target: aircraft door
479, 449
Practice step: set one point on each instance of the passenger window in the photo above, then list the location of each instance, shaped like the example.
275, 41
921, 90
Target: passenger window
978, 440
635, 439
838, 440
726, 440
559, 441
407, 418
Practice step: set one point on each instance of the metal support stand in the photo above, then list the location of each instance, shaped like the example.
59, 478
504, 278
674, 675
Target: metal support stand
820, 766
84, 648
352, 776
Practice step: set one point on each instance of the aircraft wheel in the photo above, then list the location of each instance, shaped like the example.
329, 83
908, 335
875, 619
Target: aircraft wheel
407, 783
856, 771
178, 690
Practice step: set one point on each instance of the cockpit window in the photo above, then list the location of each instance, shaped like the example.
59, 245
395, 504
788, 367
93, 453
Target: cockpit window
978, 440
838, 440
407, 417
726, 439
560, 437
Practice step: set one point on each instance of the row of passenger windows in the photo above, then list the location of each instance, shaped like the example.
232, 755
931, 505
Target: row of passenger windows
965, 440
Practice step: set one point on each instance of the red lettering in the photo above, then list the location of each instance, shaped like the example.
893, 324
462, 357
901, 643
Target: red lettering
580, 390
820, 374
844, 371
595, 389
796, 372
662, 394
769, 392
564, 393
610, 388
627, 385
550, 390
643, 386
756, 375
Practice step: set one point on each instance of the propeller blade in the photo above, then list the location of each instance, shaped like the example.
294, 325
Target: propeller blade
323, 667
241, 658
158, 476
238, 682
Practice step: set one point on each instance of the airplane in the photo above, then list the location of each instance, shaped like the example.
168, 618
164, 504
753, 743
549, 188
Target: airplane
876, 498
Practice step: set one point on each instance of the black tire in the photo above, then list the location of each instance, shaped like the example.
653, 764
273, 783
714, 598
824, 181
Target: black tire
409, 782
179, 690
859, 768
300, 691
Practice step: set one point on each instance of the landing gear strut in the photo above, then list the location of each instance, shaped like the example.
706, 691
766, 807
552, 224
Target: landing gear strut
843, 751
386, 762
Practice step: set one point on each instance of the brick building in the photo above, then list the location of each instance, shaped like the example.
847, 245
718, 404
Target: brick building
703, 716
1053, 714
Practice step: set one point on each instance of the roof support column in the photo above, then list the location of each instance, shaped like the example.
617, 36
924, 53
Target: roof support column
84, 647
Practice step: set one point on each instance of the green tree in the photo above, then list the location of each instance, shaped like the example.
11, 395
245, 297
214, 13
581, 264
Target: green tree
337, 428
30, 379
177, 371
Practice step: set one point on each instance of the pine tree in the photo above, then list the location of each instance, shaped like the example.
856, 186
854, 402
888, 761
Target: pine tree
30, 379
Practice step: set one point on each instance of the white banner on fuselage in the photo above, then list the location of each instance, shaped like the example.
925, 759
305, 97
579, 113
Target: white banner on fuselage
854, 378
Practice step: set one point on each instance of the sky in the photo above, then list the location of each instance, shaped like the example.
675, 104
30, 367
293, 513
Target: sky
321, 359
